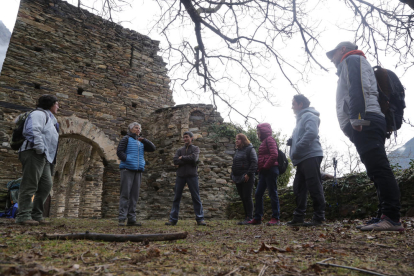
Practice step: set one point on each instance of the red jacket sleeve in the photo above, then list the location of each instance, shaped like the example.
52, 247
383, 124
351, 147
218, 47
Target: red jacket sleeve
272, 147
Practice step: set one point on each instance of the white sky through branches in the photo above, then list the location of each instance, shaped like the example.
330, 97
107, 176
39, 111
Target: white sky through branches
320, 86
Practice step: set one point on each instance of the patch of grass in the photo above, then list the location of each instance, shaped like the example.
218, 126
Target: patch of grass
217, 249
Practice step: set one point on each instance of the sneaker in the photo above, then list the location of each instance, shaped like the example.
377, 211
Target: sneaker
296, 221
273, 222
133, 223
202, 223
171, 223
371, 221
244, 222
385, 224
29, 222
313, 222
255, 222
121, 222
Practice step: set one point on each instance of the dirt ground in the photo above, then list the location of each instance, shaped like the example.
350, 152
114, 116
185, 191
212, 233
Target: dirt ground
221, 248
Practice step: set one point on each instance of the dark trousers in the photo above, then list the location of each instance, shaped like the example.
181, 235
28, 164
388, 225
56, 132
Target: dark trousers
308, 178
379, 170
267, 179
370, 145
35, 186
130, 184
192, 182
245, 190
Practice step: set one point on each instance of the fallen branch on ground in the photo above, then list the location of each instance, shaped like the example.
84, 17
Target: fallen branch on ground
117, 238
349, 267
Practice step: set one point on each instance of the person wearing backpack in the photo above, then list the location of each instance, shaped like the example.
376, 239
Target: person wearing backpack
268, 172
362, 121
306, 154
242, 174
38, 156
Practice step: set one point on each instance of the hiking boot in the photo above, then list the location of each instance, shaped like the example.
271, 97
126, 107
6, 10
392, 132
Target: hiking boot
202, 223
371, 221
244, 222
273, 222
44, 222
171, 223
133, 223
385, 224
121, 222
29, 222
313, 222
255, 222
296, 221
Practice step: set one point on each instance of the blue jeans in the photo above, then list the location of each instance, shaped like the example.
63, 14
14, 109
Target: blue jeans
192, 182
267, 179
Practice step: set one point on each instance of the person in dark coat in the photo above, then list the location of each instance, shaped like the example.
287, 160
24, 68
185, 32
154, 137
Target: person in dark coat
242, 174
268, 173
186, 159
131, 153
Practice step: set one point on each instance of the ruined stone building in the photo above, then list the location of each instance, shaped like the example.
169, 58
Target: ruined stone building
105, 77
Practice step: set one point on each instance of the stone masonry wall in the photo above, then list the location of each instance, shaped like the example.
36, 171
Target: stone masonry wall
214, 169
99, 71
105, 77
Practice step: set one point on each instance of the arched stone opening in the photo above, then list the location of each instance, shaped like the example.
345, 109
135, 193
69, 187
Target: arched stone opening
85, 153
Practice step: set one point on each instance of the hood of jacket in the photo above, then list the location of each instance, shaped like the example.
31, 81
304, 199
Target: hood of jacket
306, 110
265, 130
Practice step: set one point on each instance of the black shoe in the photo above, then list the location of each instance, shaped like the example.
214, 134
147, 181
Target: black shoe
121, 222
296, 221
371, 221
202, 223
244, 222
313, 222
171, 223
133, 223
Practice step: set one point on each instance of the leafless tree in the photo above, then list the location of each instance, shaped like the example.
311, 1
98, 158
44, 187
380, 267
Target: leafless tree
247, 36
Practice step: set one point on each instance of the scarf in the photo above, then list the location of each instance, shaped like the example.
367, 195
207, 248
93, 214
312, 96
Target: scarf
354, 52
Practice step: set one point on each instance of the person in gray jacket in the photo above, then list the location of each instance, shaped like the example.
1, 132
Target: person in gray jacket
38, 156
306, 154
186, 159
361, 120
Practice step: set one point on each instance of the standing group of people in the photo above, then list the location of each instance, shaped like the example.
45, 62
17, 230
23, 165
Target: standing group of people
305, 153
359, 116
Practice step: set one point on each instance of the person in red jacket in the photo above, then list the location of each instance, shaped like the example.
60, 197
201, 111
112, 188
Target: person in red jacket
268, 173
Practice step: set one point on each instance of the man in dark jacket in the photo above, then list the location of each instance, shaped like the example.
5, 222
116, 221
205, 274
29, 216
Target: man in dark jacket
361, 119
186, 159
131, 153
306, 154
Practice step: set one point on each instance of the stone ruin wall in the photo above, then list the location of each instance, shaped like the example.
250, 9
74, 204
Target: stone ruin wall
105, 77
166, 132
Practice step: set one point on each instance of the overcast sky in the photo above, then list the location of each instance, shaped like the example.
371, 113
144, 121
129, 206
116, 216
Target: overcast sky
320, 89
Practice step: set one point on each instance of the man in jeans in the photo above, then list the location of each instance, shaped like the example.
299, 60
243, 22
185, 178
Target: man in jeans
38, 156
186, 159
361, 119
306, 154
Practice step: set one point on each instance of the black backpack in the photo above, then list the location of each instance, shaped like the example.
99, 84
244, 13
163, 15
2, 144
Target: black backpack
391, 98
281, 159
17, 138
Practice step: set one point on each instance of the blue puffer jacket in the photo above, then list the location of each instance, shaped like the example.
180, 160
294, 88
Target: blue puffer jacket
131, 152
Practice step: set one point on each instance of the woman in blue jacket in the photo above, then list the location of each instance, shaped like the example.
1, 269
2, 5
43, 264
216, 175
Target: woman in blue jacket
131, 153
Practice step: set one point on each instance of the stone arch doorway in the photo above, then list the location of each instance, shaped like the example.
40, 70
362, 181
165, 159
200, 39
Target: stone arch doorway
85, 156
